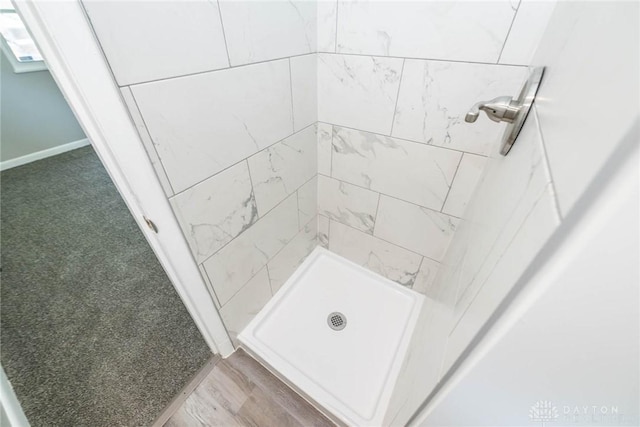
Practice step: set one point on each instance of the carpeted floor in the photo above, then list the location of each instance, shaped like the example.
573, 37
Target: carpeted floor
92, 331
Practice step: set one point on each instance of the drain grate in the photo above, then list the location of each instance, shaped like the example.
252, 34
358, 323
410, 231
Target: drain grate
337, 321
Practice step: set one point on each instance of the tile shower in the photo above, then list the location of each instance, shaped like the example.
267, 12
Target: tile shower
276, 127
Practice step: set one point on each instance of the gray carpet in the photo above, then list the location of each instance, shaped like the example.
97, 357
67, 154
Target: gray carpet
92, 331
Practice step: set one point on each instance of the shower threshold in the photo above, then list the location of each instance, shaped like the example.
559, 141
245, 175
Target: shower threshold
349, 368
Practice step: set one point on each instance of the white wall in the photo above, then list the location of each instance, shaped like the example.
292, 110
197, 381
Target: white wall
572, 337
518, 203
34, 114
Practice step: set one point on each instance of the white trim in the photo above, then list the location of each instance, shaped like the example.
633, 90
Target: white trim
43, 154
10, 404
65, 38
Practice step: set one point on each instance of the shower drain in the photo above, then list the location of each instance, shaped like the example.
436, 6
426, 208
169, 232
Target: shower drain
337, 321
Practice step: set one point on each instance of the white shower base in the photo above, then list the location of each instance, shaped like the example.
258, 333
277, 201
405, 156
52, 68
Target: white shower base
351, 372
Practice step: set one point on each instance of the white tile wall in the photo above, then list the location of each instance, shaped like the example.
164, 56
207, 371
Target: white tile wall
282, 266
346, 203
529, 24
436, 95
327, 16
454, 30
467, 177
146, 41
304, 87
384, 258
216, 210
325, 134
263, 30
244, 305
408, 170
419, 229
232, 266
278, 171
372, 118
308, 201
358, 91
204, 123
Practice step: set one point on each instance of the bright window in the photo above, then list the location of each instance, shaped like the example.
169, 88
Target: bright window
17, 44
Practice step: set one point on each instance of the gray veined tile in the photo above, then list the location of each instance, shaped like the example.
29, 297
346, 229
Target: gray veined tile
347, 203
216, 210
425, 280
419, 229
435, 96
308, 201
259, 31
358, 91
156, 50
461, 31
304, 87
467, 178
407, 170
204, 123
323, 231
326, 16
282, 266
281, 169
232, 266
246, 303
325, 132
393, 262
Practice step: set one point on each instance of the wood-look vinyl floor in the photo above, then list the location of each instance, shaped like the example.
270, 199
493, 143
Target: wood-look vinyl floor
240, 392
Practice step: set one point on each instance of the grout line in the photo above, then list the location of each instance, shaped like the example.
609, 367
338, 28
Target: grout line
210, 283
395, 109
547, 164
298, 206
389, 195
293, 119
335, 47
455, 174
215, 70
330, 153
313, 53
224, 36
418, 272
459, 61
241, 160
383, 240
508, 33
404, 139
259, 218
266, 264
375, 219
146, 128
269, 277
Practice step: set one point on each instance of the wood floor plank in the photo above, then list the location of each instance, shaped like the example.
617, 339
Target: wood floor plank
239, 391
280, 392
260, 410
228, 386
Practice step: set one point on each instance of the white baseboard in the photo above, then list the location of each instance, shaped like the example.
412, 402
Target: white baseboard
23, 160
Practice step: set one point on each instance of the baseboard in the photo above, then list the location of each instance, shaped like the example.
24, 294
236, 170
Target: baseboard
38, 155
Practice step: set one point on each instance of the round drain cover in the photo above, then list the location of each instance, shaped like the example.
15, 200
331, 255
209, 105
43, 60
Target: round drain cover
337, 321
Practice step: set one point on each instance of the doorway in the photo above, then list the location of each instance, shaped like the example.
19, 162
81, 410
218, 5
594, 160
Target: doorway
93, 332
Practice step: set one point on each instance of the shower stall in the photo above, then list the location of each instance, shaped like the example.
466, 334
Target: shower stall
355, 233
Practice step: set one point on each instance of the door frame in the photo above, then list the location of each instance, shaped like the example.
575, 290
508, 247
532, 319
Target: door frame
63, 34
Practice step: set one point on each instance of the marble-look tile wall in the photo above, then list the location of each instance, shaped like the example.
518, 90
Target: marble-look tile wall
224, 96
278, 125
397, 164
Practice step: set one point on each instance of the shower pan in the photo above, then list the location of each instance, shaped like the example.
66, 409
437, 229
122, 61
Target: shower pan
338, 333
